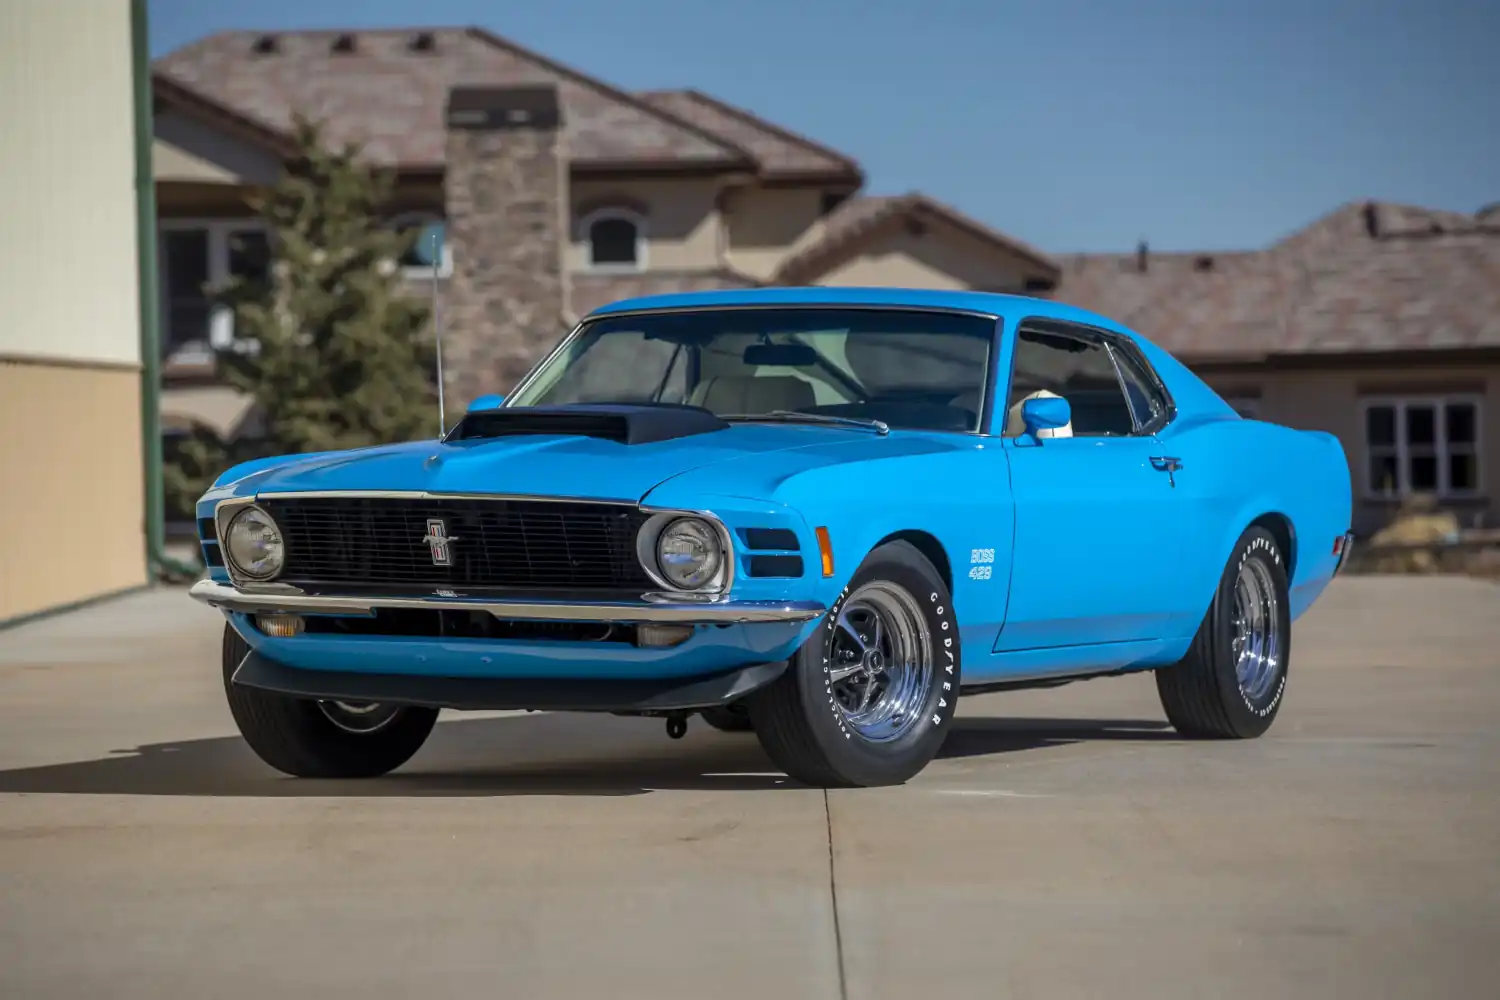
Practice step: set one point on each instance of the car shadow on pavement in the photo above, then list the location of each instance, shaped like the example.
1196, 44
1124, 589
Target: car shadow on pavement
541, 754
981, 737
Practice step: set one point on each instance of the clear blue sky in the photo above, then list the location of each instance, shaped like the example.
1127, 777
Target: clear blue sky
1073, 124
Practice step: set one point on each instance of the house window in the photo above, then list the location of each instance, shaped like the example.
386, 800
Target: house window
1422, 445
193, 257
431, 244
615, 239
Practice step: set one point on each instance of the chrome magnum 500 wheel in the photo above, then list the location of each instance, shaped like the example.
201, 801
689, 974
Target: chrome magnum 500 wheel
869, 698
1230, 684
322, 739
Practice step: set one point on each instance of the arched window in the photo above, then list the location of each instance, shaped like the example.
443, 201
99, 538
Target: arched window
614, 239
432, 239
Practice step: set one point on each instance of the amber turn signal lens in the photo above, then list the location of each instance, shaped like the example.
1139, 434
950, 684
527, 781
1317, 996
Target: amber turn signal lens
825, 550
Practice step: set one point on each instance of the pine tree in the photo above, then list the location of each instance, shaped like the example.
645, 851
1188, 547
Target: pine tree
330, 341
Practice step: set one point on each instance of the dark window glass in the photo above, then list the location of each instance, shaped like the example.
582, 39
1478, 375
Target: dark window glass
1424, 473
1384, 475
249, 255
1461, 423
613, 241
1421, 425
1079, 371
1380, 426
431, 236
1146, 397
1463, 473
185, 260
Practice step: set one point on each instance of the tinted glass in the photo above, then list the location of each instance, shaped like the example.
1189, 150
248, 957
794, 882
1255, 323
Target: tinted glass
1145, 394
907, 368
1080, 371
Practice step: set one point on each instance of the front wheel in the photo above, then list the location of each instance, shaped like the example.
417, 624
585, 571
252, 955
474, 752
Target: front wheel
1230, 683
869, 697
322, 739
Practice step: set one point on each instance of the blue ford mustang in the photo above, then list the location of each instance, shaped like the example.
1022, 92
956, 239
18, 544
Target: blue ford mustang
818, 514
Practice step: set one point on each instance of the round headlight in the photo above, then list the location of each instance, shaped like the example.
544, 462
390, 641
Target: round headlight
254, 544
688, 553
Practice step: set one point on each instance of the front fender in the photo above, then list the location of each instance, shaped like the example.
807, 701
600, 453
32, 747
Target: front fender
960, 499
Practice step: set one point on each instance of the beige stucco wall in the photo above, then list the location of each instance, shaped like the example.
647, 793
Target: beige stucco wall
71, 520
73, 504
763, 225
682, 220
1330, 401
941, 257
191, 151
67, 270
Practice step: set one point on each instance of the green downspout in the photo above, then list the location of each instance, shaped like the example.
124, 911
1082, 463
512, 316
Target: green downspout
157, 561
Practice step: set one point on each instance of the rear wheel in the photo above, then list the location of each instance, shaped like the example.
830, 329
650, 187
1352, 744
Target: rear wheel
869, 697
1230, 683
322, 739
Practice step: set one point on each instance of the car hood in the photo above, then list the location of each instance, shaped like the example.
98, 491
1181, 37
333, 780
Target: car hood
748, 460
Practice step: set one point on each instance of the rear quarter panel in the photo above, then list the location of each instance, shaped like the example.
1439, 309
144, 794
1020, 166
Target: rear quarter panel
1237, 471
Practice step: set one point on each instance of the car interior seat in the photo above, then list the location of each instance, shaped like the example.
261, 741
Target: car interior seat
753, 394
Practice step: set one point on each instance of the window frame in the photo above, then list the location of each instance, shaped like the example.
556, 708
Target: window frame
614, 213
1439, 403
219, 231
1115, 346
424, 218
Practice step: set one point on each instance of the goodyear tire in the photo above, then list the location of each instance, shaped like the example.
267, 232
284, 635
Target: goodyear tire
1231, 682
732, 718
311, 739
869, 698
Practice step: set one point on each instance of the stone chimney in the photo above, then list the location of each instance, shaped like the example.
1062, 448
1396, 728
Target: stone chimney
506, 191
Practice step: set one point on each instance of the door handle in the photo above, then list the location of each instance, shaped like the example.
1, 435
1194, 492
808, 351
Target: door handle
1169, 465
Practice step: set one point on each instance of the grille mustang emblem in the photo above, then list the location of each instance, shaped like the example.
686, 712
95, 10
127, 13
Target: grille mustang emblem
439, 543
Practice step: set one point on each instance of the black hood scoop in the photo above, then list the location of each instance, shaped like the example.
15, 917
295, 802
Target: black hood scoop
627, 423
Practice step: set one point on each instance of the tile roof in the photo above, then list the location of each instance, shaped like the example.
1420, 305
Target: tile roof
388, 92
1367, 277
858, 220
780, 152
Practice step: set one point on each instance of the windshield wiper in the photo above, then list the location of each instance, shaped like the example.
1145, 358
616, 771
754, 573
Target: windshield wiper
794, 416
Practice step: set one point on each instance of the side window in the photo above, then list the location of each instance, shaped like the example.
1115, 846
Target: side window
1079, 370
1144, 391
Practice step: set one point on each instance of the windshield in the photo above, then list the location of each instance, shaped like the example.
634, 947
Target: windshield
904, 368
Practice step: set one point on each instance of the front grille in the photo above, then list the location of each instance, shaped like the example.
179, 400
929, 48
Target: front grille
449, 624
529, 545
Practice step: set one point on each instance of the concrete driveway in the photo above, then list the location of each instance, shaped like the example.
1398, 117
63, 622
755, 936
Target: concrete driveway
1067, 844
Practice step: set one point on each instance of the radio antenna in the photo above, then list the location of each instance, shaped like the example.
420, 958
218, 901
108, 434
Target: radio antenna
437, 330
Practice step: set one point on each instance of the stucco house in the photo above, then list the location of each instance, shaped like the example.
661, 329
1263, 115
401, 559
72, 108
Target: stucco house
1380, 323
76, 521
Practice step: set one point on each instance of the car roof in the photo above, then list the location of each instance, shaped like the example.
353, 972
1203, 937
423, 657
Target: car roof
990, 303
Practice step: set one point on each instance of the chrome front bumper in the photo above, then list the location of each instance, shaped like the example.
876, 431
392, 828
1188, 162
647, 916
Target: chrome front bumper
670, 608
